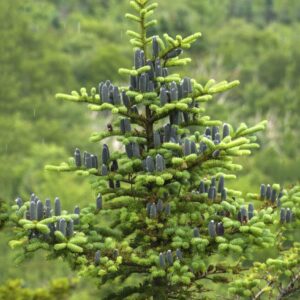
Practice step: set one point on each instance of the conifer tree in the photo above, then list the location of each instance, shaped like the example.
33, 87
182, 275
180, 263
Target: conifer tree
164, 224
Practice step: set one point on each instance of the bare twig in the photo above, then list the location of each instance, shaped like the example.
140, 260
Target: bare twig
257, 296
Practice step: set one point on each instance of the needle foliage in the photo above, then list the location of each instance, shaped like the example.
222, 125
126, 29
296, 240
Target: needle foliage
164, 224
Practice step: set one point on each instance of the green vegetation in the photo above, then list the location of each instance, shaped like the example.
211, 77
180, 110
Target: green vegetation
58, 289
55, 46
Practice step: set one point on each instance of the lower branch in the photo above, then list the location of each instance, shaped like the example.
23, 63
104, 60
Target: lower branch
291, 287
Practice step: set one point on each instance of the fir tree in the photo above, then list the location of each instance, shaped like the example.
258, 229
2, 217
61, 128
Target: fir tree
164, 224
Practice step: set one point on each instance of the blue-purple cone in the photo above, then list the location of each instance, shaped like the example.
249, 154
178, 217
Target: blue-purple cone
40, 210
215, 130
223, 195
70, 228
212, 229
174, 53
162, 260
125, 99
167, 132
77, 157
220, 229
268, 192
104, 170
226, 130
221, 184
57, 207
262, 192
196, 232
128, 149
158, 68
77, 212
159, 162
163, 96
165, 72
211, 193
148, 208
32, 210
168, 209
19, 202
202, 147
150, 164
159, 206
169, 257
179, 254
94, 161
99, 202
201, 188
105, 154
97, 257
62, 226
207, 131
155, 47
289, 216
216, 154
136, 150
156, 139
250, 211
116, 96
187, 147
115, 253
153, 211
282, 215
273, 196
244, 214
138, 59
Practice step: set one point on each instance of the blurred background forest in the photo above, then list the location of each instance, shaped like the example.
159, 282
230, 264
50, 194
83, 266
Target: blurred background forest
50, 46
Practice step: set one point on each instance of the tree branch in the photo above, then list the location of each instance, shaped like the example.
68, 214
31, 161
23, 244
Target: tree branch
290, 287
257, 296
